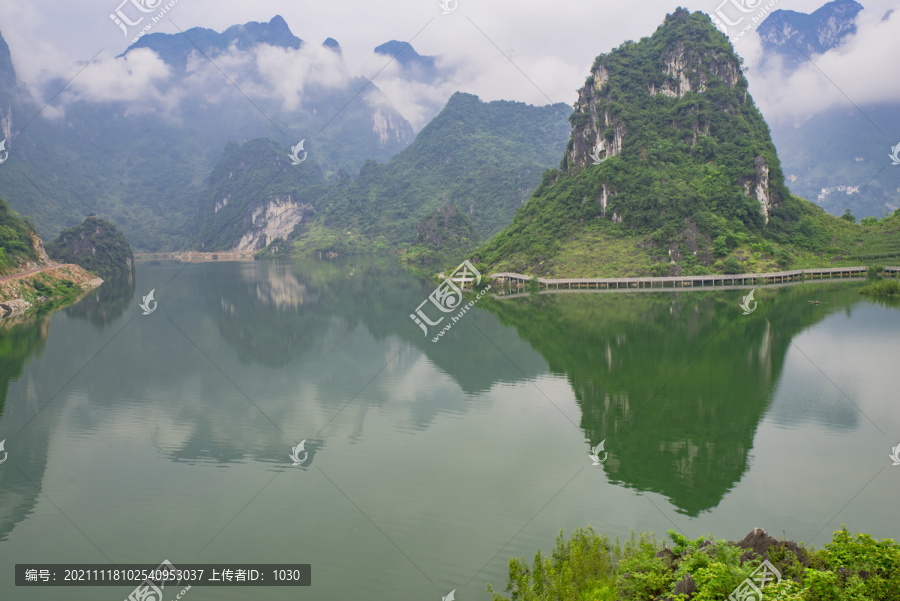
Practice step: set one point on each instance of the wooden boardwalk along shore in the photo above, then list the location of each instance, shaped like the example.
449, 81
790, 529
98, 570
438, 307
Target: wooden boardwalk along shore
689, 281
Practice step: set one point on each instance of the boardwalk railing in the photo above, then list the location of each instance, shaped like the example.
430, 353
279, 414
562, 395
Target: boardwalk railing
739, 279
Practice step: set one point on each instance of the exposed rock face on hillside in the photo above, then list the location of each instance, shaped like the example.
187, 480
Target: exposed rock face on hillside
387, 126
275, 219
42, 259
689, 74
685, 71
257, 194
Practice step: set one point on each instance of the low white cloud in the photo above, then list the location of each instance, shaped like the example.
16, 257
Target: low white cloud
284, 74
133, 78
855, 72
142, 81
551, 47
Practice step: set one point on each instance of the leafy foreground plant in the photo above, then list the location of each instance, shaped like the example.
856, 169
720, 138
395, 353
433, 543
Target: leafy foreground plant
589, 567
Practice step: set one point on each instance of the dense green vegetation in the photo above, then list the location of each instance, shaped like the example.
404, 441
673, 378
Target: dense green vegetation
677, 193
15, 239
447, 235
589, 566
97, 246
50, 293
484, 158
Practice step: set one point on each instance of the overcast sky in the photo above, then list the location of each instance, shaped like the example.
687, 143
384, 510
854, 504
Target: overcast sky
550, 45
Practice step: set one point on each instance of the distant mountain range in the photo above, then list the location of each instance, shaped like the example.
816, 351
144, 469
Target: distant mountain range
141, 161
484, 158
201, 158
416, 67
837, 157
176, 49
796, 36
184, 141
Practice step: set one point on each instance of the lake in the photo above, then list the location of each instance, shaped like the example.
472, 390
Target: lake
425, 466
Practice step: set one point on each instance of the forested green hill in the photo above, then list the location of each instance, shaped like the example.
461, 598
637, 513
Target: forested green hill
670, 169
97, 246
484, 158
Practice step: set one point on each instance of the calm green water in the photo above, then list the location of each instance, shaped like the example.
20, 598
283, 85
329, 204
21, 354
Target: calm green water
136, 438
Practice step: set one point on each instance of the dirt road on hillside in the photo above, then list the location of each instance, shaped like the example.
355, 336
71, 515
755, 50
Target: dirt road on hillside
24, 273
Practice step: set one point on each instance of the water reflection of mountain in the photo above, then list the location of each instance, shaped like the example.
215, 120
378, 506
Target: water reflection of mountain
18, 496
105, 304
263, 311
19, 341
278, 323
276, 312
675, 383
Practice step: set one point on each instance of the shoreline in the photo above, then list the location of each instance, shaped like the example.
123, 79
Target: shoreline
19, 297
194, 256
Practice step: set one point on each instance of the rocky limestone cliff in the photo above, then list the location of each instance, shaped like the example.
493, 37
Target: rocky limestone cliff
43, 260
589, 138
690, 72
600, 127
685, 71
762, 187
387, 126
275, 219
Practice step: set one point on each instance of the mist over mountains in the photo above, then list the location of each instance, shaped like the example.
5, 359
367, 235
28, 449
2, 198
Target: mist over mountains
153, 138
134, 138
833, 126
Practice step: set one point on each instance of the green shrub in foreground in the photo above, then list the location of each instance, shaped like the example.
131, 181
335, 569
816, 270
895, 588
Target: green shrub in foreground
589, 567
